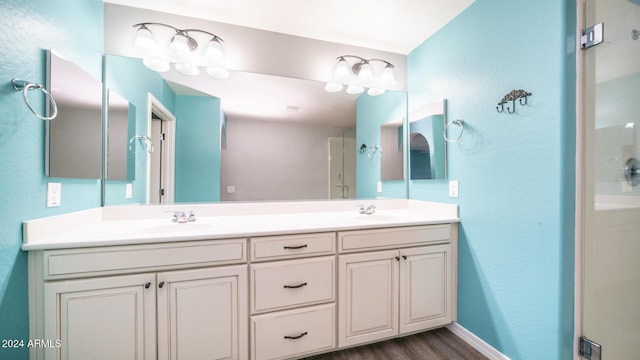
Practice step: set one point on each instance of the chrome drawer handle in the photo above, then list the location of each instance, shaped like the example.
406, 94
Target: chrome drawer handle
295, 337
295, 286
295, 247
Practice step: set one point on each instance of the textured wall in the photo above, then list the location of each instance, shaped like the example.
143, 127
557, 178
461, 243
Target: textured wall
515, 171
27, 28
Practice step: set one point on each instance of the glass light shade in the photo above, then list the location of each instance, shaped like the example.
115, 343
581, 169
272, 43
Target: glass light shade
187, 69
375, 91
218, 72
333, 87
156, 63
144, 39
354, 89
365, 74
213, 52
179, 45
341, 72
387, 78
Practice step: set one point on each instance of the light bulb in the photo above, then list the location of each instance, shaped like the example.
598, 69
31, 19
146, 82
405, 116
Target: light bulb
156, 63
213, 53
365, 74
179, 44
218, 72
144, 39
354, 89
187, 69
341, 72
333, 87
387, 78
375, 91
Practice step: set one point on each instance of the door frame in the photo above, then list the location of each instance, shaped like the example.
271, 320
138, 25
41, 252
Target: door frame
155, 106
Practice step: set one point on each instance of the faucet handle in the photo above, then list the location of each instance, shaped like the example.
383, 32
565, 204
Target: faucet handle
360, 208
192, 216
371, 209
178, 216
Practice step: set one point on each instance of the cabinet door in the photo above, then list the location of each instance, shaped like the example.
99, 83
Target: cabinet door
103, 318
202, 314
368, 293
425, 287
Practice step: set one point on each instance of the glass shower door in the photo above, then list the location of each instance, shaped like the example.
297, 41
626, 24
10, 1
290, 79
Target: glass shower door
611, 262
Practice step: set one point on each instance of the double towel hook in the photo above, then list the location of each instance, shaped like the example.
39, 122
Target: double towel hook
514, 95
25, 86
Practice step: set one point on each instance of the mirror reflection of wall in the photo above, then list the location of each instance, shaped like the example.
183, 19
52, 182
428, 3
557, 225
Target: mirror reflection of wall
74, 137
427, 147
392, 157
121, 125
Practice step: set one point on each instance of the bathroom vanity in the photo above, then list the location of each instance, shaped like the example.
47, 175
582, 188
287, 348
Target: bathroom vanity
258, 281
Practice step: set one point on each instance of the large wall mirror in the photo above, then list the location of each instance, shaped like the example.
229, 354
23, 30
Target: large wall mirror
250, 137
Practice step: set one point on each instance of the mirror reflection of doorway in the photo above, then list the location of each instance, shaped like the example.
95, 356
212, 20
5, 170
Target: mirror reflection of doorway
342, 168
420, 157
160, 163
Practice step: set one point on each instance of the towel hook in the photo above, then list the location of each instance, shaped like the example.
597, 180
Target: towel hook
25, 86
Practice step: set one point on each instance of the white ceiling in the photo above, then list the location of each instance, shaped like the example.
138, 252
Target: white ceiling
301, 41
397, 26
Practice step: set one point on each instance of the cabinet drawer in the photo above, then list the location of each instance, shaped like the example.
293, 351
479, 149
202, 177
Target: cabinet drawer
292, 246
293, 333
59, 264
390, 238
282, 284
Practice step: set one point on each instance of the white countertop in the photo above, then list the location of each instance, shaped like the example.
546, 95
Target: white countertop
127, 225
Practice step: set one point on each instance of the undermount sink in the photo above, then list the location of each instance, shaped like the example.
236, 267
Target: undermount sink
173, 228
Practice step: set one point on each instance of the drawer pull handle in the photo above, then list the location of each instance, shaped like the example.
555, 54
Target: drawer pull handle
161, 284
295, 286
147, 285
295, 337
295, 247
404, 257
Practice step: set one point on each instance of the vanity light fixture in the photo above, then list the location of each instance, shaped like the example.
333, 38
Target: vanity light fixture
180, 46
360, 74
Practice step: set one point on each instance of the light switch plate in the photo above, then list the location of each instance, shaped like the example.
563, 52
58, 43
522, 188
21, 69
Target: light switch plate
379, 186
54, 193
129, 191
453, 188
231, 189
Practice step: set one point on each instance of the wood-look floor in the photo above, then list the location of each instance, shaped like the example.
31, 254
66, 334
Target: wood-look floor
438, 344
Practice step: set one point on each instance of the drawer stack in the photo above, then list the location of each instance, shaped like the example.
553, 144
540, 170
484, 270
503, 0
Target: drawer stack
292, 295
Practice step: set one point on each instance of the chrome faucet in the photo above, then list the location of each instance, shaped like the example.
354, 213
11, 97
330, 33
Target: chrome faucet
180, 216
371, 209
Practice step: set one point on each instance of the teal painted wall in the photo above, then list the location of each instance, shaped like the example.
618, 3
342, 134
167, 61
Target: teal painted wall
198, 149
133, 81
27, 28
371, 113
516, 203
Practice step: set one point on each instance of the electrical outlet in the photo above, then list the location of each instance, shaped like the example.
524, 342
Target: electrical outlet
129, 191
54, 193
453, 188
379, 186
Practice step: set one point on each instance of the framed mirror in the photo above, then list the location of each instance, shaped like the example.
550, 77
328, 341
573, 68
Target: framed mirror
427, 146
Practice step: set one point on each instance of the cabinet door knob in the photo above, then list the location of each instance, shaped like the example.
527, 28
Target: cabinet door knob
161, 284
295, 286
296, 336
147, 285
404, 257
398, 258
295, 247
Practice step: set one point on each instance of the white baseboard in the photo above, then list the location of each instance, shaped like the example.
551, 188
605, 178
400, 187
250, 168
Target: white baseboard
477, 343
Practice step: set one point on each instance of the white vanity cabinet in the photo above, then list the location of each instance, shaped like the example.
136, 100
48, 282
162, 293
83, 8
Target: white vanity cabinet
405, 289
156, 301
292, 301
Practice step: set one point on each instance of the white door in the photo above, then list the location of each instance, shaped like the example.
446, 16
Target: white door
157, 158
342, 168
202, 314
425, 283
368, 300
611, 225
102, 319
